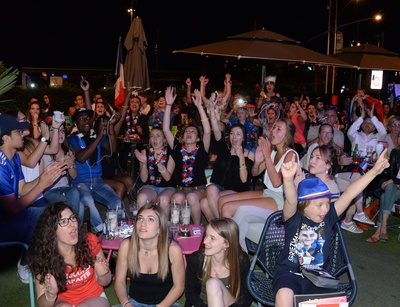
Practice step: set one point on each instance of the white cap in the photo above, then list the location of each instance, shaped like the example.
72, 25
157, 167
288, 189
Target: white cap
270, 79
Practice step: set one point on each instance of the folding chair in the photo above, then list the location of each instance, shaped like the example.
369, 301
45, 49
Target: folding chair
271, 243
31, 290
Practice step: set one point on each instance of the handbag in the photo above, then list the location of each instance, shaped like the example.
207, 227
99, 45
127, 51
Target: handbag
319, 276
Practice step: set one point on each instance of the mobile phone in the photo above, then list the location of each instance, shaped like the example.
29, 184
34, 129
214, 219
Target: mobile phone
83, 81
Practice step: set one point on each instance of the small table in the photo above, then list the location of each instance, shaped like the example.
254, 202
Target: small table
133, 142
189, 244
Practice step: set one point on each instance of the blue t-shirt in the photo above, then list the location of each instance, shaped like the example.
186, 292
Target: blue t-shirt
86, 170
10, 176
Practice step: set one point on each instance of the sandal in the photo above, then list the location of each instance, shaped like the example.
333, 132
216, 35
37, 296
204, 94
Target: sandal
383, 237
372, 239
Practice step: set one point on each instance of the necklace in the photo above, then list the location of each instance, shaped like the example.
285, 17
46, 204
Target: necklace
147, 253
188, 160
151, 161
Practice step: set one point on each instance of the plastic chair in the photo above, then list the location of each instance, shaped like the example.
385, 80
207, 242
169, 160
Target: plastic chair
269, 248
31, 290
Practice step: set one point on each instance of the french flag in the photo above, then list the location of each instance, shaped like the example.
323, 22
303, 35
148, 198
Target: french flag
120, 83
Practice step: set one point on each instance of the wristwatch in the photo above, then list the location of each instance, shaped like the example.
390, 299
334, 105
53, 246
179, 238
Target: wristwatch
43, 139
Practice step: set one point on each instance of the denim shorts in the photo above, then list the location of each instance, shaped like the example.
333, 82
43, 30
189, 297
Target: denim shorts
137, 304
157, 189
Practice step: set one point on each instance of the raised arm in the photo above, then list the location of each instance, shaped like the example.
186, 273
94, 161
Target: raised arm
213, 119
124, 108
288, 171
85, 87
204, 120
169, 99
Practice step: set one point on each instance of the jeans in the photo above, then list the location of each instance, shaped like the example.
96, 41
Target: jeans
391, 196
69, 195
137, 304
100, 192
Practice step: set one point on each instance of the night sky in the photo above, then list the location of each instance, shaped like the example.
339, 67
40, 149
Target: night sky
72, 33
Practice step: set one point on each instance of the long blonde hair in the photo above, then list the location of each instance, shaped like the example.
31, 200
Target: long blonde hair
229, 230
162, 244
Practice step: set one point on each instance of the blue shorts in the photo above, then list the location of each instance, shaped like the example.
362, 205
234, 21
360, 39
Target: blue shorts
157, 189
297, 283
137, 304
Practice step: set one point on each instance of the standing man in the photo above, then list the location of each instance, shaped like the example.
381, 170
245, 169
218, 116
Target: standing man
18, 213
87, 145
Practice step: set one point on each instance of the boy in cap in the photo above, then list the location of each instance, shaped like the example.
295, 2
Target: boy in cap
87, 145
310, 208
18, 215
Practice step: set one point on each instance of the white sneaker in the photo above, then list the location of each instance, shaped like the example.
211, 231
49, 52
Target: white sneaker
23, 272
352, 227
363, 218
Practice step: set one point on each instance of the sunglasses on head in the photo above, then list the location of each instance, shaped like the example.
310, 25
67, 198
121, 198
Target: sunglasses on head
331, 107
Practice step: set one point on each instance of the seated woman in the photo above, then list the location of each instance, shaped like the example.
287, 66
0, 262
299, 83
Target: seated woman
153, 164
68, 264
390, 196
153, 262
217, 275
189, 158
232, 168
310, 208
269, 156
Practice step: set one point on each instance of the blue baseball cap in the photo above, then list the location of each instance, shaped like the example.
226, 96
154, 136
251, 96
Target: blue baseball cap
312, 188
9, 123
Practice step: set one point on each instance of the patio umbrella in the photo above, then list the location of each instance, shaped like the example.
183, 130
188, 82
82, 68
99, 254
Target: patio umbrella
370, 57
135, 67
266, 45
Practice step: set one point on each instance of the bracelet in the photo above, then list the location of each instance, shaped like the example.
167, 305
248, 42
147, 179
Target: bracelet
243, 167
204, 119
47, 299
128, 302
125, 107
162, 172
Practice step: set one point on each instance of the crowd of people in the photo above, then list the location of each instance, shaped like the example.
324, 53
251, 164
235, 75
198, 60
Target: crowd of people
51, 171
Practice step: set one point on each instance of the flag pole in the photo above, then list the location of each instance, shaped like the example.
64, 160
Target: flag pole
117, 62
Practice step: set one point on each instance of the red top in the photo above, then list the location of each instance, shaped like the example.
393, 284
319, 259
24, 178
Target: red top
82, 284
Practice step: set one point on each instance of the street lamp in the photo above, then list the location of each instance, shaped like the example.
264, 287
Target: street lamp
377, 17
131, 12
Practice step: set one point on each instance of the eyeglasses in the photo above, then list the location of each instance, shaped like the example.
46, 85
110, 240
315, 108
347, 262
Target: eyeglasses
396, 126
270, 82
19, 131
65, 221
331, 107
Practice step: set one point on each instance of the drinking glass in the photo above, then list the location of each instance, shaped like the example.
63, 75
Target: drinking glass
133, 208
113, 219
175, 213
185, 220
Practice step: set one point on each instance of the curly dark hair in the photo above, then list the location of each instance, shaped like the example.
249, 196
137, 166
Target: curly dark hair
43, 255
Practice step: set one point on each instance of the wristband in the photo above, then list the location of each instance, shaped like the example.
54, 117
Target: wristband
125, 107
47, 299
243, 167
204, 119
128, 302
162, 172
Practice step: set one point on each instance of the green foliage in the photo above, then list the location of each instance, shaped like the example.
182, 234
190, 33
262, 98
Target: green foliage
8, 78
